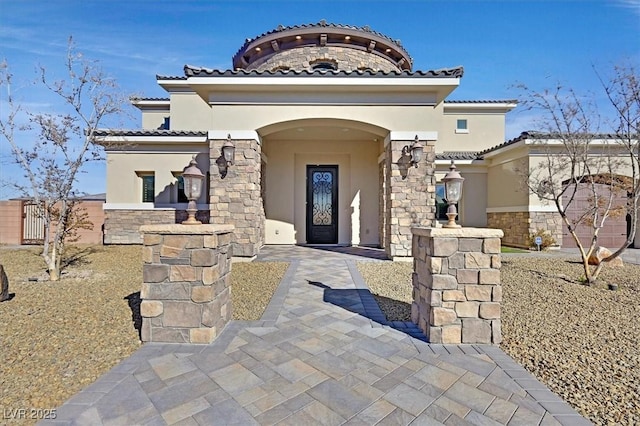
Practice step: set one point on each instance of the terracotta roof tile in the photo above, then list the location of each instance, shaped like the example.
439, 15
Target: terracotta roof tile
458, 155
192, 71
155, 132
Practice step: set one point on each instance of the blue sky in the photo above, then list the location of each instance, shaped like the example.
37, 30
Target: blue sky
499, 43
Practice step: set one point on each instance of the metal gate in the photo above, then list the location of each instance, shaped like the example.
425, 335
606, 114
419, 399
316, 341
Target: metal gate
32, 223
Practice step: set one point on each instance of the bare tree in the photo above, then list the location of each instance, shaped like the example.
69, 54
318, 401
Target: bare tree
577, 158
62, 143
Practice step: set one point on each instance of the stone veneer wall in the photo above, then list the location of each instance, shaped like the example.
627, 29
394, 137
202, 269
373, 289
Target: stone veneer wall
186, 294
236, 198
123, 226
382, 205
410, 194
550, 221
456, 284
517, 226
302, 58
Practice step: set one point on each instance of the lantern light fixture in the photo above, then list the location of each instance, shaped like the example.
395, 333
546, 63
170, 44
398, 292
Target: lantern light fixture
193, 179
414, 151
228, 151
453, 193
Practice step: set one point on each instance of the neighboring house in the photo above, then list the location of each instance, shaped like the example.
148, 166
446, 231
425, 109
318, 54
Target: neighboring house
321, 117
20, 222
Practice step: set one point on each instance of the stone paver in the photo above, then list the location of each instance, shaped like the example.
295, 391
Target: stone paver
323, 354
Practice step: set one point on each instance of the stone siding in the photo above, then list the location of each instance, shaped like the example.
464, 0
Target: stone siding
123, 226
549, 221
456, 284
410, 194
345, 58
186, 294
382, 205
517, 226
235, 196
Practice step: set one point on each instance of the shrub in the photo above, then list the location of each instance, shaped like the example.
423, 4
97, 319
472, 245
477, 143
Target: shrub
547, 239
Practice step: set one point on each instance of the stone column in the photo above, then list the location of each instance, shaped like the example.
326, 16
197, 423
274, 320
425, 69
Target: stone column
235, 195
410, 195
456, 284
186, 294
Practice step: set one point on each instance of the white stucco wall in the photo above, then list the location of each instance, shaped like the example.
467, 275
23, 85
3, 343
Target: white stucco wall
124, 185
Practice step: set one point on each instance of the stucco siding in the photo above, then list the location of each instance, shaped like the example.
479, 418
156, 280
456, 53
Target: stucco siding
483, 131
124, 169
253, 117
189, 112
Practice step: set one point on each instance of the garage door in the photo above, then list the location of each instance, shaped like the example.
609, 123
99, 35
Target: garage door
614, 232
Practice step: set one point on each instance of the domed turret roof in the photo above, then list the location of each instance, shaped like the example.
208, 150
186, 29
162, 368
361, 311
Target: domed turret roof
342, 38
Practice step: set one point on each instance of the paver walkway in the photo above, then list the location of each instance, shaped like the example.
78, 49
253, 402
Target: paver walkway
322, 354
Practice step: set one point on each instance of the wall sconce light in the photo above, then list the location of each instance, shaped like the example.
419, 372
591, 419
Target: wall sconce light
228, 151
414, 151
453, 192
193, 178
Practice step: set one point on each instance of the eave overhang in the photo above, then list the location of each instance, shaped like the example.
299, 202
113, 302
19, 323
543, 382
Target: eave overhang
218, 86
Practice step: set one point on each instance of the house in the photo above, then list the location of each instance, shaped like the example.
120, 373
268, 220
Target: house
323, 118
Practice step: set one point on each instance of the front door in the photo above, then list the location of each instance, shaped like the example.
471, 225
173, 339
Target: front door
322, 204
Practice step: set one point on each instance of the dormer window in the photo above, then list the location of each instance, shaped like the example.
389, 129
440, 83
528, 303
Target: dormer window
324, 64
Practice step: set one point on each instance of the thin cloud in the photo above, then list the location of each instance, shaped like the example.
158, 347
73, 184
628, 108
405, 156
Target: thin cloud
633, 5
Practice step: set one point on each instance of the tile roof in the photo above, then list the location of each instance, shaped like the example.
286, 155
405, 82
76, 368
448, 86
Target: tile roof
532, 134
192, 71
358, 35
482, 101
136, 98
458, 155
150, 132
324, 24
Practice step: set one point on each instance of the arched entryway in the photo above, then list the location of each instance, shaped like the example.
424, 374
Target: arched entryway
321, 182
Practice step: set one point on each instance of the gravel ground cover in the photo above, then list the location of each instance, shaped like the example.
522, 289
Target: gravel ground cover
57, 338
582, 342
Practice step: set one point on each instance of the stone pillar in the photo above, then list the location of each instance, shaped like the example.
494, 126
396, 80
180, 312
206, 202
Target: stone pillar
186, 297
235, 195
410, 195
456, 284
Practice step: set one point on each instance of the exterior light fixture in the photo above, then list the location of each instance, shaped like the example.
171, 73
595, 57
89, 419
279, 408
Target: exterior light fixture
453, 192
193, 178
414, 151
228, 151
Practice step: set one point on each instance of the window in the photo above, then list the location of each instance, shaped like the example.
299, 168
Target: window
441, 203
182, 198
148, 188
324, 64
461, 126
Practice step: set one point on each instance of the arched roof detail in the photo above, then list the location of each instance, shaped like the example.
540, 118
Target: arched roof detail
332, 40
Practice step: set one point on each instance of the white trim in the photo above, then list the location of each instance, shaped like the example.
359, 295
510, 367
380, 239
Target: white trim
153, 139
473, 162
468, 107
235, 135
410, 136
515, 209
150, 206
462, 131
